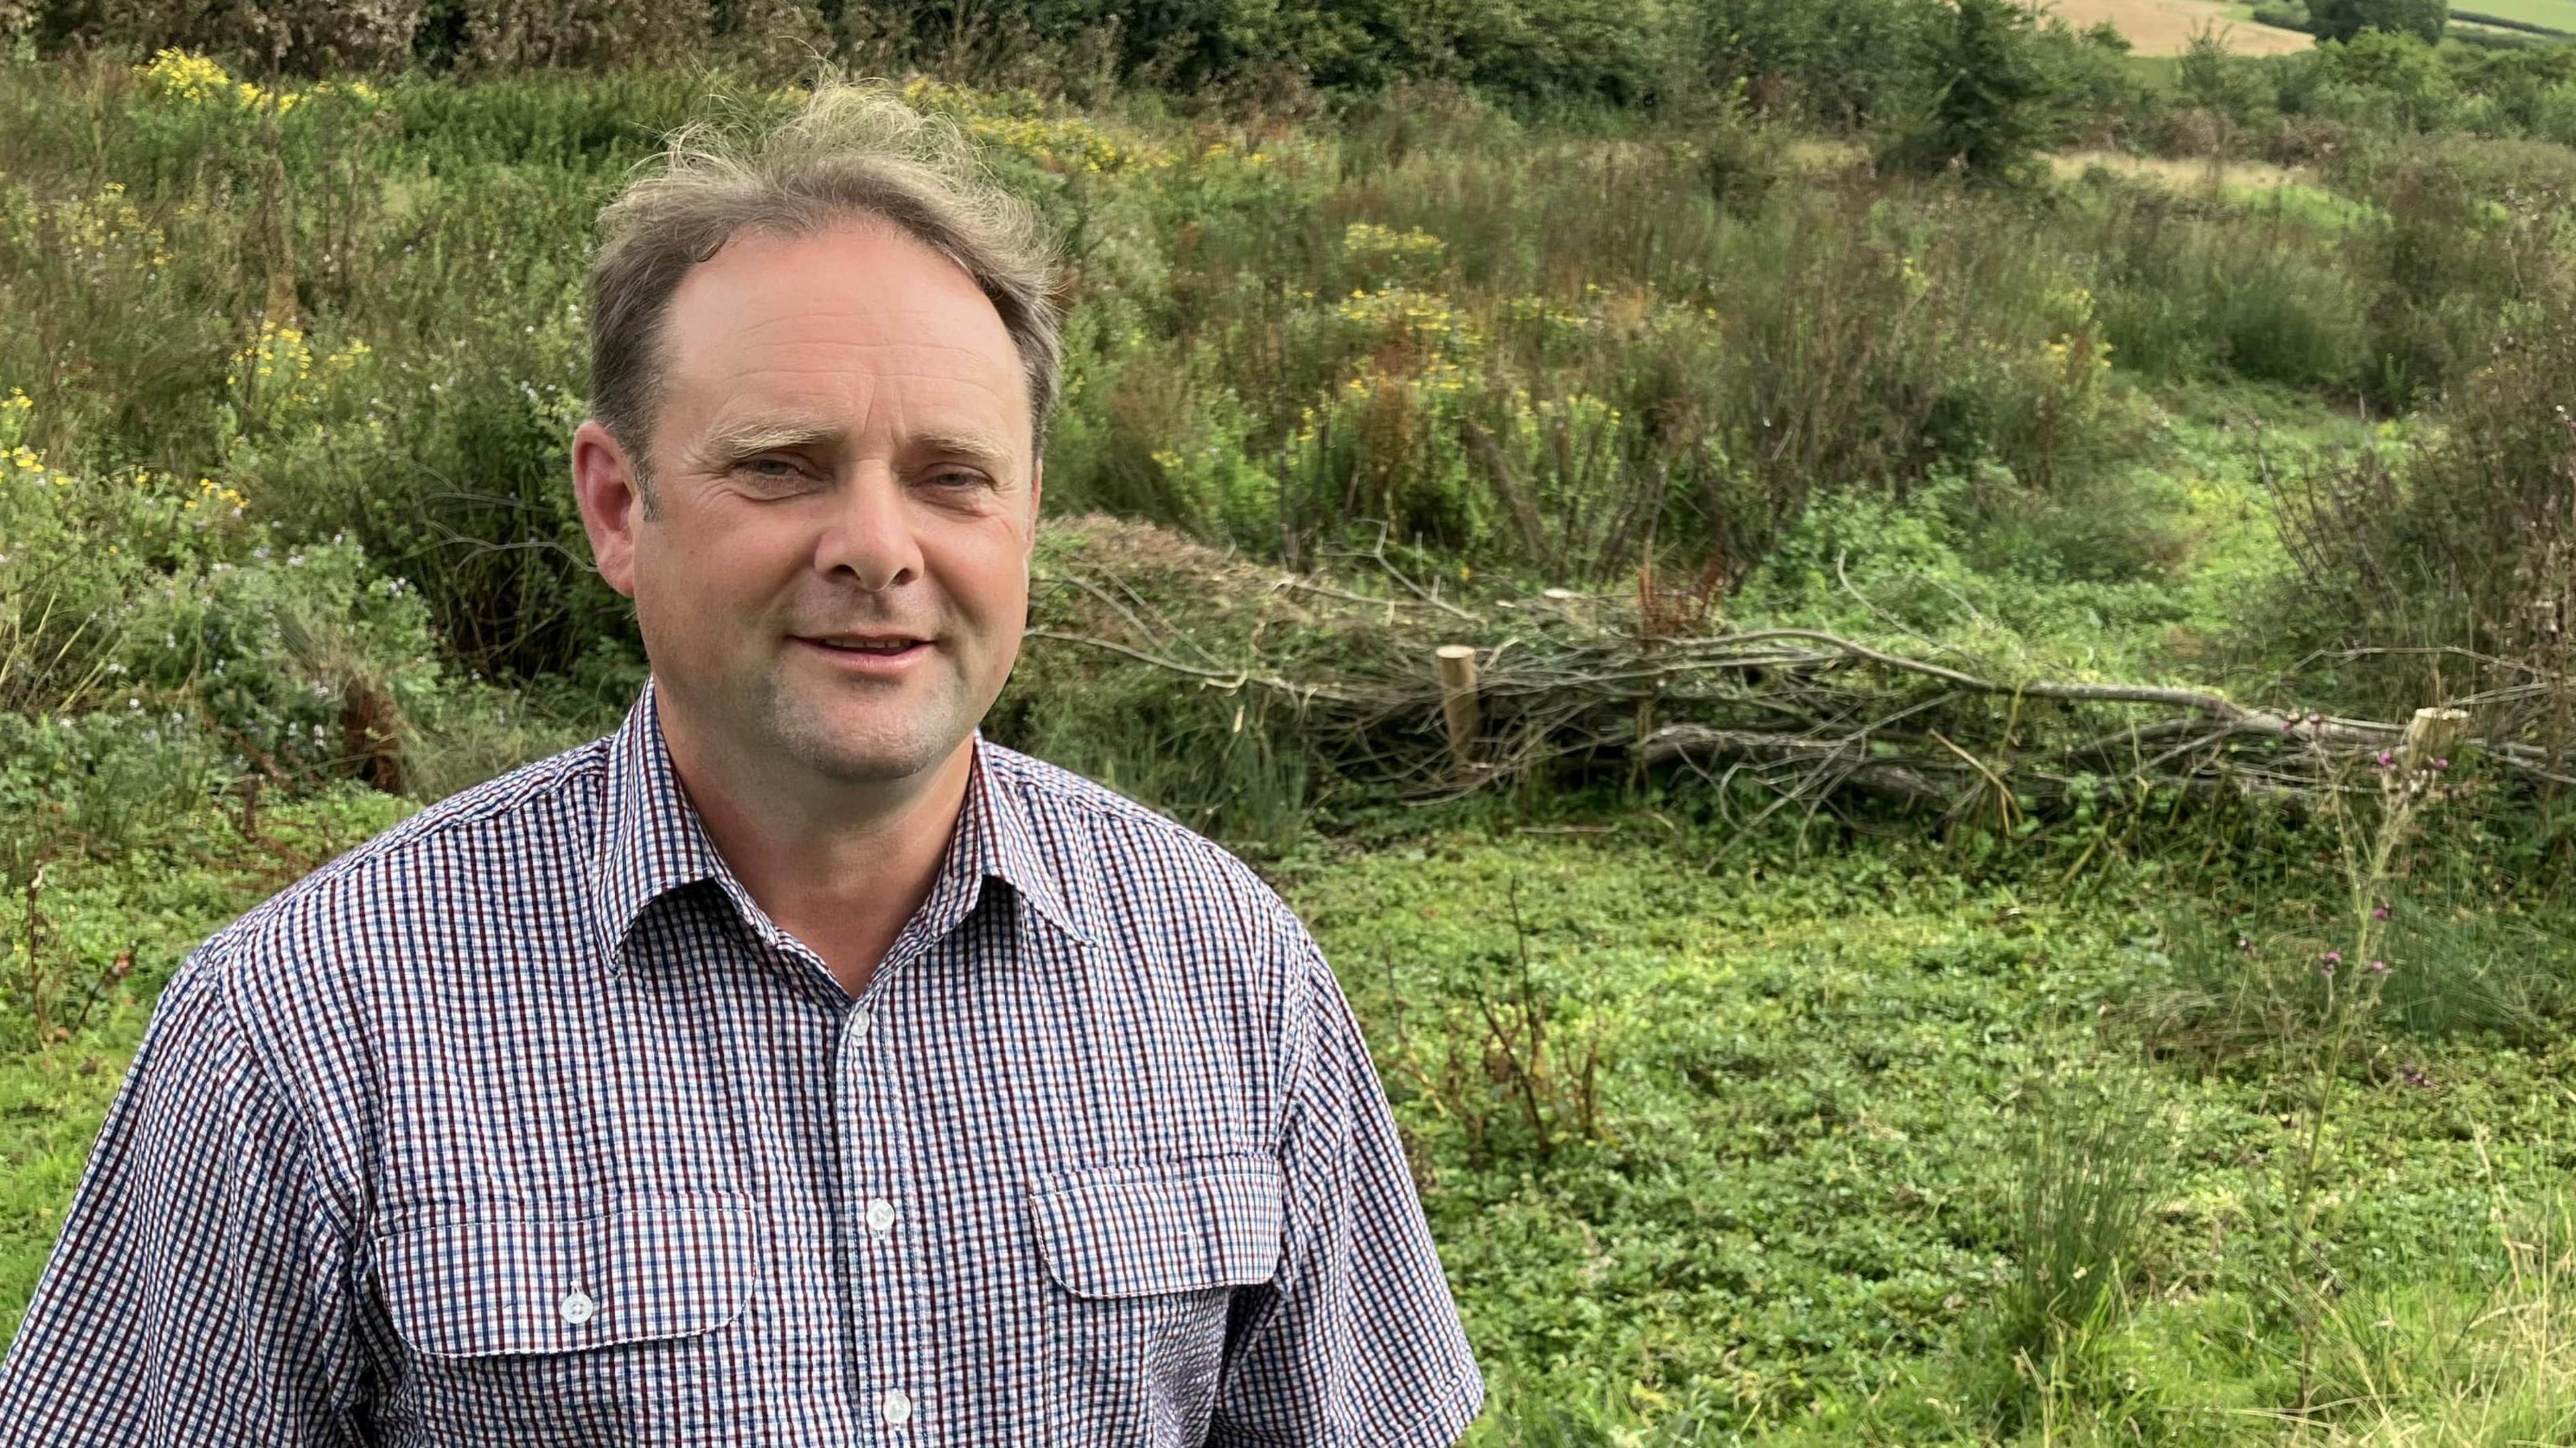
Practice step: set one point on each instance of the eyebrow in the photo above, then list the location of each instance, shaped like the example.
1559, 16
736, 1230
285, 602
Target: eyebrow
733, 440
979, 448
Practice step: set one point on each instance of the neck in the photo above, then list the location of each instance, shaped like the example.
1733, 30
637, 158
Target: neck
841, 867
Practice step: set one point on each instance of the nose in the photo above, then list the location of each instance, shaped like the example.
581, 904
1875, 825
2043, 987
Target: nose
867, 538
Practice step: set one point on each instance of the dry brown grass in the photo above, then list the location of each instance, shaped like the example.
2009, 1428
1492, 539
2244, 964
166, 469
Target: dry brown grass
2165, 27
2177, 173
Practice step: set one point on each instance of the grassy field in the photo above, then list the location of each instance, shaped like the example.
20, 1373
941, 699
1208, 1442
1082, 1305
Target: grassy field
2557, 15
2166, 27
1822, 1077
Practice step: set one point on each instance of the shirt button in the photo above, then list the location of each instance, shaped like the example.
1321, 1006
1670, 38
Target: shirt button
859, 1024
881, 1216
896, 1407
577, 1308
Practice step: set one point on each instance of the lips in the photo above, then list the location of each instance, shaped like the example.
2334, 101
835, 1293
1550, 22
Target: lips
880, 644
867, 655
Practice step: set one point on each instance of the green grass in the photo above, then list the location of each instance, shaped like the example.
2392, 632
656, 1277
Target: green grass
158, 904
2558, 15
1813, 1072
1813, 1068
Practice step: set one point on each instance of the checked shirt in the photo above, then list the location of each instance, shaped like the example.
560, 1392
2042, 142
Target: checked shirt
523, 1125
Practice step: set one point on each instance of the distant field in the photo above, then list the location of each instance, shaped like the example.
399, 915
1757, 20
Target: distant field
2165, 27
2548, 14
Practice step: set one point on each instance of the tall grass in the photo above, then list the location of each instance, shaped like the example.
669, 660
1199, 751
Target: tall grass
2488, 1361
2084, 1177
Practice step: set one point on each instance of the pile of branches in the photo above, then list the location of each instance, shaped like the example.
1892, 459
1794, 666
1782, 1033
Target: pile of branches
1804, 716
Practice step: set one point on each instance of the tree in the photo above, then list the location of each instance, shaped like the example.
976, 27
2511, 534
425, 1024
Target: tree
1987, 106
2344, 19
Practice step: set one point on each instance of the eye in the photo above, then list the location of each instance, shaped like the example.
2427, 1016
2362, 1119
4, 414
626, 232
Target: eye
772, 474
956, 478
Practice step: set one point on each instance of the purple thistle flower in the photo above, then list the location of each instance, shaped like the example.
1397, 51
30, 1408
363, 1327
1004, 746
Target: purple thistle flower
2334, 957
2384, 759
2379, 967
2379, 912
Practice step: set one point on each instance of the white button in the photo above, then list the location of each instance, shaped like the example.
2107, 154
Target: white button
881, 1216
860, 1023
577, 1308
896, 1407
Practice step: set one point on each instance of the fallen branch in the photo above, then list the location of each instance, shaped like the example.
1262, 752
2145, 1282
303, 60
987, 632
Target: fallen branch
1803, 713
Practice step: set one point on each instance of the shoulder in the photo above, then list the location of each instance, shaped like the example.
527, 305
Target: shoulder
1120, 858
466, 855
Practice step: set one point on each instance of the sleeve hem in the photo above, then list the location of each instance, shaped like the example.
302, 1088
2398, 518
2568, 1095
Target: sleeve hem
1446, 1420
1439, 1425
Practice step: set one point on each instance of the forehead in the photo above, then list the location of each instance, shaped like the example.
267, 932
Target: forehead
858, 322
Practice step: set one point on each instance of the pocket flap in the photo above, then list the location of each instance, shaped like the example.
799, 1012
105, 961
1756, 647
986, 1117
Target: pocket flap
467, 1288
1132, 1231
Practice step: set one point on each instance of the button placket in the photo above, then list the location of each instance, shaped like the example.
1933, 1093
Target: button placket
890, 1302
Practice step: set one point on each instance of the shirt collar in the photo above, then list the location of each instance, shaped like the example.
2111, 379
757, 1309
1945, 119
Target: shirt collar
652, 842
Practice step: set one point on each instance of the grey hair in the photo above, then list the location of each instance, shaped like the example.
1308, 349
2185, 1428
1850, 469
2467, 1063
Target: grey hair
856, 151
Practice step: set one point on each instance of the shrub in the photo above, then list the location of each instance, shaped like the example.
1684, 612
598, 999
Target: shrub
2347, 19
1843, 64
2466, 537
131, 590
2388, 80
1982, 115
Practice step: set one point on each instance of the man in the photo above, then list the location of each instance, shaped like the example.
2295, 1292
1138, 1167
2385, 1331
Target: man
790, 1067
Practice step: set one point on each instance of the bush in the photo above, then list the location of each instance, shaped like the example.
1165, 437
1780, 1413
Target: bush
1844, 64
1981, 114
2346, 19
2383, 80
134, 591
2464, 538
2285, 15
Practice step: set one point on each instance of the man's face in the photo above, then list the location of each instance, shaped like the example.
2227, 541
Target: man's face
835, 576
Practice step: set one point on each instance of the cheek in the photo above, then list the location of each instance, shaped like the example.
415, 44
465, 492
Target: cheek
701, 575
986, 576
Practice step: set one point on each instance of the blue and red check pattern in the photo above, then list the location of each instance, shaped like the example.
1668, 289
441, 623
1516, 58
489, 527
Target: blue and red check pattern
523, 1125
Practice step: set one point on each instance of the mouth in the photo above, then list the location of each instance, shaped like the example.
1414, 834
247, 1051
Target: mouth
866, 650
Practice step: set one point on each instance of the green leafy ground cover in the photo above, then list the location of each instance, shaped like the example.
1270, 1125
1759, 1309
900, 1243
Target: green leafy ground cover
1818, 1074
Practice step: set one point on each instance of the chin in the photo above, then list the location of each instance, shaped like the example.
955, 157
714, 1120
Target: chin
872, 756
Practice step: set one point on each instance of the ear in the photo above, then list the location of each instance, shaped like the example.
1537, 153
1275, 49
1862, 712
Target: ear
612, 502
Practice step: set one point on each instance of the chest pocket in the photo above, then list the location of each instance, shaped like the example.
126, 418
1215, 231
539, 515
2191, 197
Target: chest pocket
1140, 1231
656, 1268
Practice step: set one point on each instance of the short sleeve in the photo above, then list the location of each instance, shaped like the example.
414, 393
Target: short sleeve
197, 1294
1355, 1343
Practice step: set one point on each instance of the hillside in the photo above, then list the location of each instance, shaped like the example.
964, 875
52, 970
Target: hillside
2166, 27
